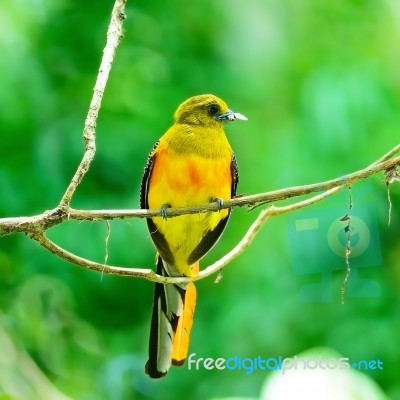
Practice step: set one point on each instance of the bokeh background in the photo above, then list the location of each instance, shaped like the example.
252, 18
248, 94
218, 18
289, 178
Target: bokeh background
319, 81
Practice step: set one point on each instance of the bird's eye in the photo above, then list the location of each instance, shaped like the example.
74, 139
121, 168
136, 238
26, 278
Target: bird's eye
213, 110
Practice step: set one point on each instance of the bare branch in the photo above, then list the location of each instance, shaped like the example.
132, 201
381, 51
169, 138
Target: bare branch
150, 275
107, 240
56, 216
388, 155
251, 200
42, 239
36, 226
114, 36
348, 248
391, 175
262, 218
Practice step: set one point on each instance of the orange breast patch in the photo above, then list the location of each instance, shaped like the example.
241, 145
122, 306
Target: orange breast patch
184, 180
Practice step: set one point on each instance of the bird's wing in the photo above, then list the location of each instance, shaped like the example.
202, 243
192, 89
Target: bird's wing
235, 176
157, 236
144, 188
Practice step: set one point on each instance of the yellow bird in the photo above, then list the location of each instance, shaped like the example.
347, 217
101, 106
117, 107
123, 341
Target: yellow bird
192, 164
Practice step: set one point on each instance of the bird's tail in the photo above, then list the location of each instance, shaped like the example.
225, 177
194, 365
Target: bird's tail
171, 322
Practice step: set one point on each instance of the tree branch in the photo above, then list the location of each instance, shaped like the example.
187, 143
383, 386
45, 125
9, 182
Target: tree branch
114, 36
36, 226
391, 153
56, 216
150, 275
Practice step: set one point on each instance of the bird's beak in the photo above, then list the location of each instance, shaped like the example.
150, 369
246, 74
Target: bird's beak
230, 116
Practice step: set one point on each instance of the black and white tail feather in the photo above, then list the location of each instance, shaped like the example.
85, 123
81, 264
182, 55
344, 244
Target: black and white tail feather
167, 309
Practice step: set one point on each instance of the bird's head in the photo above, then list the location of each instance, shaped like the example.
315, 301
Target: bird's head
205, 109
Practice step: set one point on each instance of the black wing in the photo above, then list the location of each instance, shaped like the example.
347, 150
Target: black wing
157, 237
211, 237
144, 189
235, 176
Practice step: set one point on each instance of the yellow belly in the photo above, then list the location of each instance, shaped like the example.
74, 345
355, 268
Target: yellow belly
188, 180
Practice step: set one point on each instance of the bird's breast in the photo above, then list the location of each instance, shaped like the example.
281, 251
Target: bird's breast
188, 179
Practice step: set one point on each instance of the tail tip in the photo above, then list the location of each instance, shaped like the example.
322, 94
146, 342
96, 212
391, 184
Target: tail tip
153, 372
178, 363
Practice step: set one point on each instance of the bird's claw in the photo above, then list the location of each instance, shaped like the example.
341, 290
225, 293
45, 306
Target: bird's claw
164, 212
220, 203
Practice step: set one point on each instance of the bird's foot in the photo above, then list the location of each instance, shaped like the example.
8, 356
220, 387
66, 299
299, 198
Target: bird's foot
220, 203
164, 210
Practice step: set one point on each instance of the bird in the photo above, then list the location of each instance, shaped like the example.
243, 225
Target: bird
191, 164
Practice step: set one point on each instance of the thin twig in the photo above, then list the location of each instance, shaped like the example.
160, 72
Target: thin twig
106, 242
114, 35
390, 204
348, 248
388, 155
391, 175
107, 239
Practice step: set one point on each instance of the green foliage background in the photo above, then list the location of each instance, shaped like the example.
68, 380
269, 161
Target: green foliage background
319, 81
